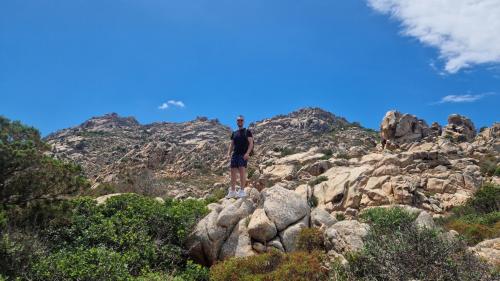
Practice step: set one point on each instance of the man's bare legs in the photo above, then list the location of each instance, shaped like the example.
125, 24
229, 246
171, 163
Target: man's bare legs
234, 174
243, 177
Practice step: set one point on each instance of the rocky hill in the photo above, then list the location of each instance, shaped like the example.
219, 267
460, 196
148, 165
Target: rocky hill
311, 168
188, 158
426, 170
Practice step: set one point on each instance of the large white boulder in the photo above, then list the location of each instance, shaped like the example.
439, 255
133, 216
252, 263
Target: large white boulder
284, 207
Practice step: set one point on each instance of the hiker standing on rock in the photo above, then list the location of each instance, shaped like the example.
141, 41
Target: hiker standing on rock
239, 152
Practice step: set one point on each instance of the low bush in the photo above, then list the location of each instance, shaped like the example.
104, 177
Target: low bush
285, 151
216, 195
486, 199
193, 272
490, 166
396, 249
387, 219
479, 218
343, 155
340, 216
311, 239
297, 266
83, 264
327, 154
132, 232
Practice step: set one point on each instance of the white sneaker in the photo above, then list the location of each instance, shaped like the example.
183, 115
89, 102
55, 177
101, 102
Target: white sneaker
241, 193
231, 194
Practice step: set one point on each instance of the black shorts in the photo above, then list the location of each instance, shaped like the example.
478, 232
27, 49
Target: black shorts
238, 161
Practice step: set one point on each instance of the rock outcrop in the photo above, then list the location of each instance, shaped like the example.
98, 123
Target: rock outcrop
250, 225
397, 129
459, 128
489, 250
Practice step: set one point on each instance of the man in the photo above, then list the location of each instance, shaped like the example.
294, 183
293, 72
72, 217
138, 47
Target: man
239, 152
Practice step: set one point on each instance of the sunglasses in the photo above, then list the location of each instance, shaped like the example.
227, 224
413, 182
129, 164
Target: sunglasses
240, 120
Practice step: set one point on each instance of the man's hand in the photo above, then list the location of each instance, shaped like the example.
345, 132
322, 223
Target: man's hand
246, 156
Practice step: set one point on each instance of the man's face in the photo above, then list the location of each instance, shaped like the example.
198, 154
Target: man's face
239, 121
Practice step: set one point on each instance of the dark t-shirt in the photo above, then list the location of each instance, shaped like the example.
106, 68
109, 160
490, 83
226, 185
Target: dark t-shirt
240, 141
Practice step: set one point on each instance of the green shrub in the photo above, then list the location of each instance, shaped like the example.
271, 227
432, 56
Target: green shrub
342, 155
313, 201
83, 264
474, 233
317, 180
327, 154
396, 249
479, 218
486, 199
285, 151
311, 239
251, 172
3, 221
340, 216
489, 165
146, 233
387, 219
17, 252
193, 272
297, 266
216, 195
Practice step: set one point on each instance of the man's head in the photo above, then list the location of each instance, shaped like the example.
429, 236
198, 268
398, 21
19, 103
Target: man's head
240, 121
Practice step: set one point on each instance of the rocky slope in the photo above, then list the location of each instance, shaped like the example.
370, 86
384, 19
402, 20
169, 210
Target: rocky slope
187, 159
427, 170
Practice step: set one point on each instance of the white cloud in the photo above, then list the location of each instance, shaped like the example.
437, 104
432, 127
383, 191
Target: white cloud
466, 32
176, 103
167, 104
163, 106
462, 98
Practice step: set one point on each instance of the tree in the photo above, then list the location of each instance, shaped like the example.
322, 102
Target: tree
27, 174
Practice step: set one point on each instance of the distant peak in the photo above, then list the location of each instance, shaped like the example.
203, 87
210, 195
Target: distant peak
110, 120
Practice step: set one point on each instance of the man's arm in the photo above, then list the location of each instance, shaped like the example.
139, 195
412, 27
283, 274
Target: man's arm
250, 146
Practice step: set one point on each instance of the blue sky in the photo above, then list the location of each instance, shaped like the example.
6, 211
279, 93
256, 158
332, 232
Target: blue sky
62, 62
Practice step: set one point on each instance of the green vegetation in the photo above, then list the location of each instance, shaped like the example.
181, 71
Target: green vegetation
297, 266
328, 153
340, 216
251, 172
285, 151
479, 218
130, 233
490, 166
342, 155
317, 180
387, 219
48, 232
311, 239
216, 195
313, 201
27, 174
396, 249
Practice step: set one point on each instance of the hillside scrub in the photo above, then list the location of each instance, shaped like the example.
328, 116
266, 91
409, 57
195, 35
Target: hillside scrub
479, 218
396, 249
27, 174
297, 266
132, 234
48, 232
